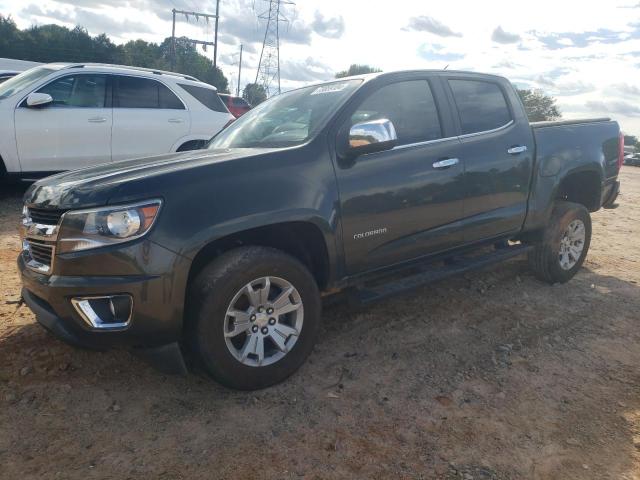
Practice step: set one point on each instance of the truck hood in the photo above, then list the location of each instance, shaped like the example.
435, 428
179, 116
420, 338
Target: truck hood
95, 186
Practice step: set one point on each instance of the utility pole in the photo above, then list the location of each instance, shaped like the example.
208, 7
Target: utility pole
269, 66
173, 40
197, 16
239, 72
215, 40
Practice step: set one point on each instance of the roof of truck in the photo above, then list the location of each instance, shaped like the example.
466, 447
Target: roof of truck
369, 76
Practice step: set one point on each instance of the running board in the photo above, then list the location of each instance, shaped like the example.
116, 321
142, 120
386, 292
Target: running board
458, 265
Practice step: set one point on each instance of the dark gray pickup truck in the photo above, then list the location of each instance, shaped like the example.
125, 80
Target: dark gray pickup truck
368, 186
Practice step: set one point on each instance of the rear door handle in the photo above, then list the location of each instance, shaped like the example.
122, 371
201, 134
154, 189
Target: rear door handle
175, 120
446, 163
517, 149
97, 120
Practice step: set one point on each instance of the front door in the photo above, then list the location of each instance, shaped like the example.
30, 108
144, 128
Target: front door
72, 132
406, 202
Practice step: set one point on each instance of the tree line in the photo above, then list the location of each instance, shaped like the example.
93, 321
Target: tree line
54, 43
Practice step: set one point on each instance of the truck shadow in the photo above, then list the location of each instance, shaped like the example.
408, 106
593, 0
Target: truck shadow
534, 375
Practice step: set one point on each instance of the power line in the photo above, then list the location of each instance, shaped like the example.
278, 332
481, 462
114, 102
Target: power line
204, 43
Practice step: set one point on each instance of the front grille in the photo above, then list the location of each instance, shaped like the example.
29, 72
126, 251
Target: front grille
39, 235
41, 252
45, 216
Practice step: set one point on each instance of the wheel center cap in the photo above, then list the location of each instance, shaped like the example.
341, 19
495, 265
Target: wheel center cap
262, 319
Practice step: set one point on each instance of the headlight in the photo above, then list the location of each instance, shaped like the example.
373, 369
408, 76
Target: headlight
85, 229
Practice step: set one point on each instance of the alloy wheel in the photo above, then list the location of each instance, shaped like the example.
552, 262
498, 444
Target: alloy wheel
263, 321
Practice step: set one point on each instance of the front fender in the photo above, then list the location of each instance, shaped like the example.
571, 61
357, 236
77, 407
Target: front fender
212, 201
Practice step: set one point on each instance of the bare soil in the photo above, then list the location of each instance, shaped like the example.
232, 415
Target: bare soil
492, 375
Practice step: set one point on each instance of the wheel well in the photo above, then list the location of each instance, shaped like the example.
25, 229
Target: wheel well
582, 187
191, 145
301, 240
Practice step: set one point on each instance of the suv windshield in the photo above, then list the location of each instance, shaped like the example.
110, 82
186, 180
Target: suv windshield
286, 120
24, 80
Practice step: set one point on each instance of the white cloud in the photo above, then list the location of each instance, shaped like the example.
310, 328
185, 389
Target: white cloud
583, 52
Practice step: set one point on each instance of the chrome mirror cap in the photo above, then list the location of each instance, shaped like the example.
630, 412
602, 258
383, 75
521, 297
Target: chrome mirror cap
372, 136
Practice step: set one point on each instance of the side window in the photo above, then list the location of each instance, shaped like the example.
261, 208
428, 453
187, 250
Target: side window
481, 105
168, 99
409, 105
136, 92
79, 91
206, 96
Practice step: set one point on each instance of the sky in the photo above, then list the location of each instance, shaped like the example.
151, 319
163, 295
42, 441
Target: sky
586, 54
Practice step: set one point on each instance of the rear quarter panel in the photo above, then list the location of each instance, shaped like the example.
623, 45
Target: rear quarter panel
564, 149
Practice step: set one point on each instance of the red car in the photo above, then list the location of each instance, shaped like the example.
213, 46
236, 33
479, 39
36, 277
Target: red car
238, 106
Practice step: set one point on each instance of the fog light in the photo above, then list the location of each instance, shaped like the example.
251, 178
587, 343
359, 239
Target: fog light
111, 312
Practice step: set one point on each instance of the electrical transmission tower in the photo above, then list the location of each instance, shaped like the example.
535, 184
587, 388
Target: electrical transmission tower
268, 74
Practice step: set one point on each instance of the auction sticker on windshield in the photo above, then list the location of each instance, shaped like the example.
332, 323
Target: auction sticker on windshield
331, 88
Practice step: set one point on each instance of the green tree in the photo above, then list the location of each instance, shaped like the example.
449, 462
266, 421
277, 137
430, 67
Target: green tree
254, 93
53, 43
356, 69
539, 106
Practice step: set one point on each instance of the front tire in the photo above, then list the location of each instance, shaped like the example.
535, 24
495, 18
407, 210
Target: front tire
565, 243
254, 317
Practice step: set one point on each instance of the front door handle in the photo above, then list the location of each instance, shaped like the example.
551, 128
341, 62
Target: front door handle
97, 120
517, 149
446, 163
175, 120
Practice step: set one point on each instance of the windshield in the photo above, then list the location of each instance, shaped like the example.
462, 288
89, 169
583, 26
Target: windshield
24, 80
286, 120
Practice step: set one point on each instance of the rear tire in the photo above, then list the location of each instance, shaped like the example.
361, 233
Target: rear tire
256, 346
558, 256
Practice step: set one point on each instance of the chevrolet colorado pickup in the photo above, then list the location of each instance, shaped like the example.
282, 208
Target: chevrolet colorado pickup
368, 185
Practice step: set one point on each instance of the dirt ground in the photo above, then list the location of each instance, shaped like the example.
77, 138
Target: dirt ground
493, 375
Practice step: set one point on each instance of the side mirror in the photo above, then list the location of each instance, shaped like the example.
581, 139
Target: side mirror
372, 136
39, 99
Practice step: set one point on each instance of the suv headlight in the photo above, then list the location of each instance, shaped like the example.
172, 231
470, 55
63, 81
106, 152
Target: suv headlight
98, 227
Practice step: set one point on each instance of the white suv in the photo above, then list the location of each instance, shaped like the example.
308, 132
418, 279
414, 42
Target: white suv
63, 116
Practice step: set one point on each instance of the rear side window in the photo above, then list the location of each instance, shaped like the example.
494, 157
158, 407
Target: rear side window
409, 105
206, 96
78, 91
481, 105
135, 92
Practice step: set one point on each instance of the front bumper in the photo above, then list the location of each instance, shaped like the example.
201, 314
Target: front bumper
153, 276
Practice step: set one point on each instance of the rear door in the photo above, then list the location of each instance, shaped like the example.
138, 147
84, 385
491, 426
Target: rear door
496, 144
402, 203
72, 132
148, 118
